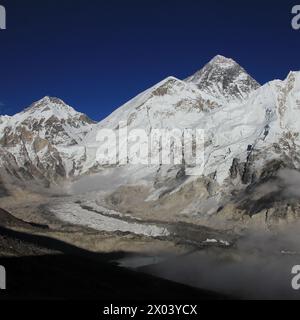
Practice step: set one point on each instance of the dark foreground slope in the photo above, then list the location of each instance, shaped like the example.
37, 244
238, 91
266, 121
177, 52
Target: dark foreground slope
44, 268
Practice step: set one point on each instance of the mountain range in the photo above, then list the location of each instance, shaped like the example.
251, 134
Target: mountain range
252, 142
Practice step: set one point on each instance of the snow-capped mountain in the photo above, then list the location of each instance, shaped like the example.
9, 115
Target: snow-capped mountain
201, 101
177, 104
50, 119
254, 120
224, 79
170, 104
39, 142
251, 131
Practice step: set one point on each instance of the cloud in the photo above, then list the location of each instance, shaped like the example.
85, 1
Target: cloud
258, 266
291, 182
286, 184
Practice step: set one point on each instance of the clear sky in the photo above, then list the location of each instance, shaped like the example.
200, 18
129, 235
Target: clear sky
97, 54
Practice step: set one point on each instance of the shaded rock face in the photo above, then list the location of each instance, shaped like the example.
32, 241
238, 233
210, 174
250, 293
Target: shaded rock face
271, 199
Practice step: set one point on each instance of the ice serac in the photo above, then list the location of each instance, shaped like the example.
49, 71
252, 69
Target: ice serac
224, 79
170, 103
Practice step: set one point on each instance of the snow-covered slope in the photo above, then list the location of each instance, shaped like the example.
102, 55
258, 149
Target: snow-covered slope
171, 104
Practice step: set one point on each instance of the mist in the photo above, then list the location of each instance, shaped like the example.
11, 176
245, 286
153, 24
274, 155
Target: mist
291, 182
112, 178
258, 266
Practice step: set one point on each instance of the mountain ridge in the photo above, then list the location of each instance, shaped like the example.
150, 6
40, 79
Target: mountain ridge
247, 134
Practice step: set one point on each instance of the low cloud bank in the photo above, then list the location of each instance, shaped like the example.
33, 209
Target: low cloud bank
257, 267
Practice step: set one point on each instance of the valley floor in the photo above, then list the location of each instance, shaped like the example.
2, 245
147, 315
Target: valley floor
65, 272
52, 234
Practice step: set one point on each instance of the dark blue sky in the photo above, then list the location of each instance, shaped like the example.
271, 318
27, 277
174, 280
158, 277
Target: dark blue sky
98, 54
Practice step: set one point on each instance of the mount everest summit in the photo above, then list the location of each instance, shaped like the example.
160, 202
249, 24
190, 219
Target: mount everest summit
251, 139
